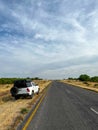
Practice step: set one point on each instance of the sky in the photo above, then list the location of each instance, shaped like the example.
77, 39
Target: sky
51, 39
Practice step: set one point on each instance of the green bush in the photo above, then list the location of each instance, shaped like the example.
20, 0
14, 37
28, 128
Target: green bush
24, 111
11, 80
7, 80
94, 79
84, 77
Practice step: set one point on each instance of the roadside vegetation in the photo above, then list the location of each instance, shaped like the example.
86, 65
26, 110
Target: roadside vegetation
84, 81
85, 77
12, 111
11, 80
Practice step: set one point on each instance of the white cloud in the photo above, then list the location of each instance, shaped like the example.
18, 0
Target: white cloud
37, 40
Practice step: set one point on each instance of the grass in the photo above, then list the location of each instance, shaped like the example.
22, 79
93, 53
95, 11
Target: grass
24, 111
87, 85
7, 98
96, 85
5, 87
16, 109
17, 120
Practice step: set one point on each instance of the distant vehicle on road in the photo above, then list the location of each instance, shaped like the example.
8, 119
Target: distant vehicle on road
24, 87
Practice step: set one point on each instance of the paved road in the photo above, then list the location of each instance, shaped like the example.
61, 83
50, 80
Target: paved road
66, 108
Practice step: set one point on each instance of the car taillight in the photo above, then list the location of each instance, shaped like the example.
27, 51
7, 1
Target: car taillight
28, 90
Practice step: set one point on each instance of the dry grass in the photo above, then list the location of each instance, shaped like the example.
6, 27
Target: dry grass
5, 92
87, 85
10, 109
5, 87
42, 83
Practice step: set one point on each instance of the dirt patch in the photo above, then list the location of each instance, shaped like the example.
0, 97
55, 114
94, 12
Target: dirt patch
10, 109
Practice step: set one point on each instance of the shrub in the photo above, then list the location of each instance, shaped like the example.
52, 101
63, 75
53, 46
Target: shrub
96, 85
84, 77
24, 111
86, 83
94, 79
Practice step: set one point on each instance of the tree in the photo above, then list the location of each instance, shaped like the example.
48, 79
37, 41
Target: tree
94, 79
84, 77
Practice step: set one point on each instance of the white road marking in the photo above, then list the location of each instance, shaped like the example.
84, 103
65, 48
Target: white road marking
94, 110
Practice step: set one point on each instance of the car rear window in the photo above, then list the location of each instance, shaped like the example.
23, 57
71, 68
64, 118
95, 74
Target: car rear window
20, 84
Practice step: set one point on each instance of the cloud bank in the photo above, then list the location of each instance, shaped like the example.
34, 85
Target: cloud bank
49, 39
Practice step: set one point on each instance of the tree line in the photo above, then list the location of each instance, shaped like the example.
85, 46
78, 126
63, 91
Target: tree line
85, 77
11, 80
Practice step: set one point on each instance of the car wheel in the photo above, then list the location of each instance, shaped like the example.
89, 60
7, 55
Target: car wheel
16, 97
38, 91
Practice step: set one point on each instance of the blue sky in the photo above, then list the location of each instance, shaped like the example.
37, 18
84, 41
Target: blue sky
51, 39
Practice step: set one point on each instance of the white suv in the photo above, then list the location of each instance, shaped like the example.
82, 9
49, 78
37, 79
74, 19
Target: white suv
24, 88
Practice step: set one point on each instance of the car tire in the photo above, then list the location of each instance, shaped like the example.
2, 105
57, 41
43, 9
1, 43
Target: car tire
38, 91
14, 91
16, 97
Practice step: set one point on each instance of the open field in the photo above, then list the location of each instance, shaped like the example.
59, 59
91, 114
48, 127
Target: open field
12, 111
87, 85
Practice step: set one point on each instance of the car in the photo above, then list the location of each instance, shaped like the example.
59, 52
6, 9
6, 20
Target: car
24, 87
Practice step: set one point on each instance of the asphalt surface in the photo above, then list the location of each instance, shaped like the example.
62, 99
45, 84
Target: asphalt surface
66, 108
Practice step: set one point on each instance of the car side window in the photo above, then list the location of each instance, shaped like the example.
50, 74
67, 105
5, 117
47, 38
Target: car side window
33, 84
28, 84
